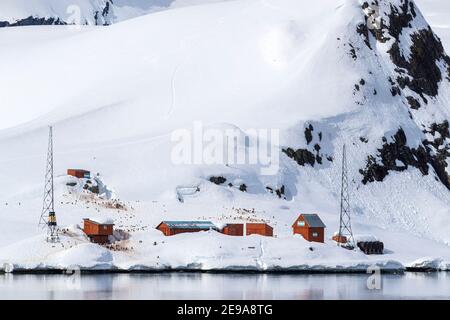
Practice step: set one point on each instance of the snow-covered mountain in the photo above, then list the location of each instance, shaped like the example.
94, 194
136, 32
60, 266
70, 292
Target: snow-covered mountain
89, 12
370, 74
84, 12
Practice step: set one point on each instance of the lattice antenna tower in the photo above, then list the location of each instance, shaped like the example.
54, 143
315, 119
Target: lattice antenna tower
48, 215
345, 225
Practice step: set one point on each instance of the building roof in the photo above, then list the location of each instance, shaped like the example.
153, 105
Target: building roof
259, 224
313, 220
101, 220
204, 225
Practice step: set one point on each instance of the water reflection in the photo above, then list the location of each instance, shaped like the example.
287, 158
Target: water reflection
223, 286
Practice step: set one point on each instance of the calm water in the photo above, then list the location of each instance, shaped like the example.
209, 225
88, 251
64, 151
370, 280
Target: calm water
223, 286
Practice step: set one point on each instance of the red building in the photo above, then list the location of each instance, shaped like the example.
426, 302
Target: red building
98, 230
262, 229
171, 228
311, 227
79, 173
233, 229
339, 239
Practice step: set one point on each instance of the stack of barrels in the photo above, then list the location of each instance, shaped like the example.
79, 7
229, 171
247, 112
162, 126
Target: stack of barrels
371, 247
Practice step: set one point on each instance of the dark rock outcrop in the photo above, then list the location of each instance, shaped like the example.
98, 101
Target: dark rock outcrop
363, 31
280, 192
32, 21
217, 180
439, 150
398, 156
400, 18
308, 134
243, 187
423, 72
101, 17
414, 104
309, 155
301, 156
420, 71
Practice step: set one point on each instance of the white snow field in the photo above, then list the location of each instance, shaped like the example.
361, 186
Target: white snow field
116, 94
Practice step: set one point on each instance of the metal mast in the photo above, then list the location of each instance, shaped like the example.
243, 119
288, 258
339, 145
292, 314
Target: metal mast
48, 215
345, 226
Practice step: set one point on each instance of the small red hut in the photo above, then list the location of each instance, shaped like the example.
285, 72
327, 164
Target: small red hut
79, 173
262, 229
233, 229
339, 239
98, 230
311, 227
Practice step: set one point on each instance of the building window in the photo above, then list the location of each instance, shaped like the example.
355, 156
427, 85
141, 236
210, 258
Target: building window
301, 223
315, 234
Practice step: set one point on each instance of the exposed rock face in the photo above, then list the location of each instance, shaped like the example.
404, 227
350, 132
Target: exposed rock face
102, 16
309, 155
439, 149
423, 74
395, 156
417, 53
217, 180
398, 156
413, 103
400, 18
32, 21
419, 71
243, 187
280, 192
420, 66
308, 134
94, 188
363, 31
301, 156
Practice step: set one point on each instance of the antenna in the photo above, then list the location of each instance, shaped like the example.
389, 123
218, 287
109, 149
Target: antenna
48, 215
345, 226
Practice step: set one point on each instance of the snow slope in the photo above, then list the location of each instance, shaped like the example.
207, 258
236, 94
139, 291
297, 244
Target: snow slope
115, 95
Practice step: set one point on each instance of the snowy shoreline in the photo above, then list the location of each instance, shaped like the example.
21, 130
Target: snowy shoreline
229, 270
220, 271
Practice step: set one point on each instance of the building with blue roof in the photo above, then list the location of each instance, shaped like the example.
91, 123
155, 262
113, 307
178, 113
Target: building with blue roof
170, 228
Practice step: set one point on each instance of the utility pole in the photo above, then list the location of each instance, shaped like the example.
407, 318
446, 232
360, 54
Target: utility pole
48, 215
345, 225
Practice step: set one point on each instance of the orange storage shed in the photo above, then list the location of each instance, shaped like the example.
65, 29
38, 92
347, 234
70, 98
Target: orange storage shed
234, 229
79, 173
262, 229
